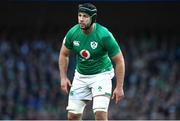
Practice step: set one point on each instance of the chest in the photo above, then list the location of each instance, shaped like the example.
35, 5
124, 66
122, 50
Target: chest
88, 46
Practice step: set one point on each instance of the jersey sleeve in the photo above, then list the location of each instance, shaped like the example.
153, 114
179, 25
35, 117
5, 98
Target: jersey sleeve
111, 45
67, 41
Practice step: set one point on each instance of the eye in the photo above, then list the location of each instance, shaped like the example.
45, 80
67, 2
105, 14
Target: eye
85, 16
79, 15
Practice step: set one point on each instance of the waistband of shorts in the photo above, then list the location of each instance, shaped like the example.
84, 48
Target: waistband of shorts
82, 75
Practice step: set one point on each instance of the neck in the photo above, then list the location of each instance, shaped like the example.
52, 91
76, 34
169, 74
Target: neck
89, 30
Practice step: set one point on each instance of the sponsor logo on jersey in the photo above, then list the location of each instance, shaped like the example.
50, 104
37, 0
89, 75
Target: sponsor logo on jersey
94, 45
85, 54
76, 43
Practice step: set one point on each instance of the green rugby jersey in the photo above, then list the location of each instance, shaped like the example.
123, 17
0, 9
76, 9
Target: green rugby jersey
92, 50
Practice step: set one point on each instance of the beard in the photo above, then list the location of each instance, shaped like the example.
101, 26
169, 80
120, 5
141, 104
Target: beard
85, 26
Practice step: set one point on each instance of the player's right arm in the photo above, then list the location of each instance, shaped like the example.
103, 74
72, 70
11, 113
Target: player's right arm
63, 66
67, 45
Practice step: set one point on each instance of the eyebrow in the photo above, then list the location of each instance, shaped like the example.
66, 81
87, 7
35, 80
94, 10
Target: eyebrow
83, 13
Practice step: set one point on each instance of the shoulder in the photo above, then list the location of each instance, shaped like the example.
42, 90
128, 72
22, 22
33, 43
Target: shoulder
73, 30
102, 31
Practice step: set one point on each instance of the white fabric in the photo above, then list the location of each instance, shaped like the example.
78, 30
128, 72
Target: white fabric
76, 106
84, 87
101, 103
87, 86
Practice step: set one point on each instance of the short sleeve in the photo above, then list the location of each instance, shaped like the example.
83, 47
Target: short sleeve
67, 41
111, 45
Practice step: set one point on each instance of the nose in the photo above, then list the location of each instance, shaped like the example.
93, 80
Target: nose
81, 19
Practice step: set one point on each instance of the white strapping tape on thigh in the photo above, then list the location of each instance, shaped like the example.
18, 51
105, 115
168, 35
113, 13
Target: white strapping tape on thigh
101, 103
76, 106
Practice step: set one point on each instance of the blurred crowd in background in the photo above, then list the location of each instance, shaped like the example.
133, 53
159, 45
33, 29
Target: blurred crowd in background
30, 85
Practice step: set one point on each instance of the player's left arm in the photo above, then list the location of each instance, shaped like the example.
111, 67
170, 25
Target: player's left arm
115, 53
118, 92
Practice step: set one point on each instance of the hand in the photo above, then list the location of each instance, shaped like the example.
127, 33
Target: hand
118, 94
64, 85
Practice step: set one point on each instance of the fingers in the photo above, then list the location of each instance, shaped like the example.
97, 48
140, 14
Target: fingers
64, 86
64, 89
114, 96
117, 97
69, 83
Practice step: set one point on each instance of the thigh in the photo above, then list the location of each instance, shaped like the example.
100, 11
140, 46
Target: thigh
80, 89
102, 84
101, 103
75, 106
78, 95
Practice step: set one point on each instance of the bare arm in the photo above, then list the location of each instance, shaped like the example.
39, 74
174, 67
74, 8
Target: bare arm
63, 66
118, 92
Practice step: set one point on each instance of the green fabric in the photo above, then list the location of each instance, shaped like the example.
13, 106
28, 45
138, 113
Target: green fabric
92, 50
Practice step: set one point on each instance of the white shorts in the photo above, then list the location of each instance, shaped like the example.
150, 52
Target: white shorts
85, 87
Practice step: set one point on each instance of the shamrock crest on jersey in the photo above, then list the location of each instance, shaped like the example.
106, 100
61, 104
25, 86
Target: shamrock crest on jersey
94, 45
85, 54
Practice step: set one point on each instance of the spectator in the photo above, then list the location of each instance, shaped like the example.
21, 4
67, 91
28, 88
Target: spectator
29, 80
